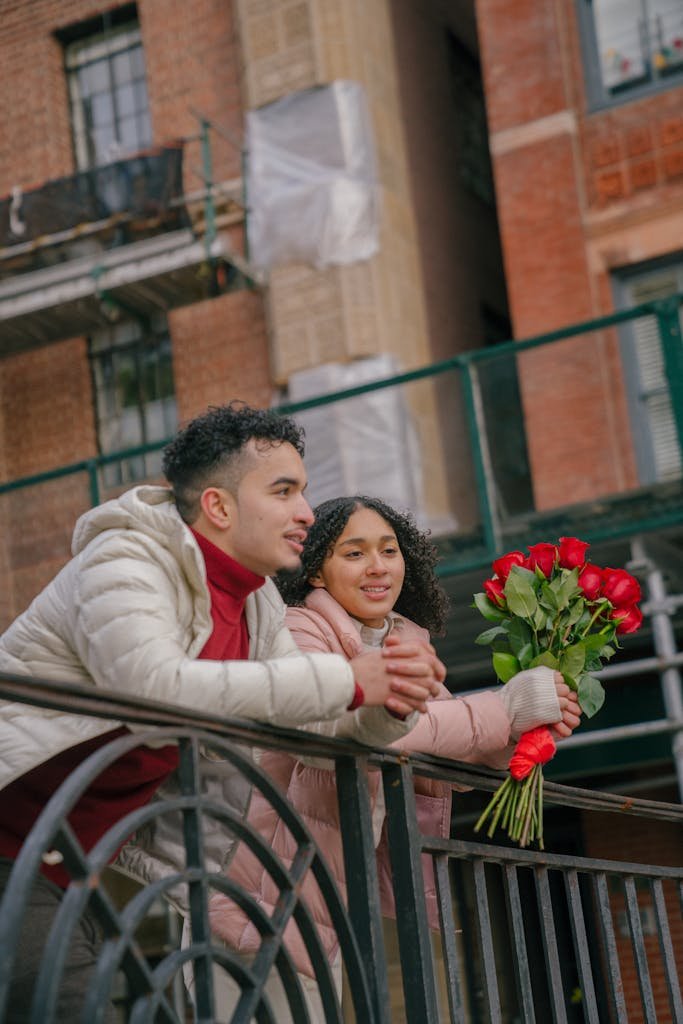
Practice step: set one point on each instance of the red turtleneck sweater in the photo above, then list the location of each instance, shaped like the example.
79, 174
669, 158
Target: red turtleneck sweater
132, 780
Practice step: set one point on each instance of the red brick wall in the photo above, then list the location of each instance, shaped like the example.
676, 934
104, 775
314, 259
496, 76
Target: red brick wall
220, 346
555, 180
220, 353
637, 841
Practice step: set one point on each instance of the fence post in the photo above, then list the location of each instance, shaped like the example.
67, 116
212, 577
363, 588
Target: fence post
405, 849
362, 885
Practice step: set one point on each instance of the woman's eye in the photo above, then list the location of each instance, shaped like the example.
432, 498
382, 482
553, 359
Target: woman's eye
353, 554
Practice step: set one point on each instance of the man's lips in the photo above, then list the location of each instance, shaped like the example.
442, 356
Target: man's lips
297, 539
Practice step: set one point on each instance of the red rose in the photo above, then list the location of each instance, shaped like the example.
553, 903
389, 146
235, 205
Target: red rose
544, 556
620, 588
630, 619
590, 580
494, 591
572, 552
502, 565
534, 747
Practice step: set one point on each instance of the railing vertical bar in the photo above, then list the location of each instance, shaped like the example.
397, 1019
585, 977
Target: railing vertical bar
666, 946
189, 779
362, 885
448, 932
405, 848
604, 916
550, 950
488, 957
581, 949
520, 960
639, 951
476, 425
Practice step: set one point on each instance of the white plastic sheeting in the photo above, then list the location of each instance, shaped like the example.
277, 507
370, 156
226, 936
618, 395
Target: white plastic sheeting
312, 190
364, 445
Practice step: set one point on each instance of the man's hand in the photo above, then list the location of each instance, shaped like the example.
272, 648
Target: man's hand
401, 676
569, 706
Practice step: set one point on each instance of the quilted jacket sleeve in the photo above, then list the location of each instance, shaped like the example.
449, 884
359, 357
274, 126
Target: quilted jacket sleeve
475, 729
130, 629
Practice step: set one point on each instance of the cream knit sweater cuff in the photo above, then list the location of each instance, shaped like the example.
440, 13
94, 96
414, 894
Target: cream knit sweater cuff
530, 699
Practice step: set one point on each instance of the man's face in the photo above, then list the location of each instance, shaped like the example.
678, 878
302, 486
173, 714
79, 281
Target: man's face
269, 516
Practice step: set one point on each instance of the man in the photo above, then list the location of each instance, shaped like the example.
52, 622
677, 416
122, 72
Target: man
167, 596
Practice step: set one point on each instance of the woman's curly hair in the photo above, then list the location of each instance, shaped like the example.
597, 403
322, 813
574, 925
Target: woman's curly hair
422, 598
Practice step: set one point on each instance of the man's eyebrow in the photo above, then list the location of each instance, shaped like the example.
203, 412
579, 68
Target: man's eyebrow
292, 480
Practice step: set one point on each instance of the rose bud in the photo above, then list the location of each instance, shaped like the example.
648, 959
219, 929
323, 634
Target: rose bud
590, 580
502, 565
572, 552
620, 588
544, 556
494, 591
630, 619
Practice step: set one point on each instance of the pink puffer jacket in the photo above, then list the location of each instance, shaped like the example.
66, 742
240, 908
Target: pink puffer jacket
474, 729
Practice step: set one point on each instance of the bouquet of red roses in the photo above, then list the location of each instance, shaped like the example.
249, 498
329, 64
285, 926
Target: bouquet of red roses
550, 607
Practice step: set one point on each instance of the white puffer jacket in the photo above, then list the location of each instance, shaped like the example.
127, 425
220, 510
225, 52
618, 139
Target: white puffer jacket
130, 612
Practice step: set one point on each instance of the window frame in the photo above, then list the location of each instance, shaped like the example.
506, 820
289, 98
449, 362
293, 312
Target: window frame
102, 345
101, 39
597, 95
623, 280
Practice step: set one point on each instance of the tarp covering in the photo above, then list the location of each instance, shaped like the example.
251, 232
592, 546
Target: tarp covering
141, 187
312, 179
362, 445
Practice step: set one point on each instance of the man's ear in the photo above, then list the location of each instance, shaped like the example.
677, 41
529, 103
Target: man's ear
316, 581
216, 504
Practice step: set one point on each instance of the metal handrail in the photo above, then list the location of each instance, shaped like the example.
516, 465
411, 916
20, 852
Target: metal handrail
595, 889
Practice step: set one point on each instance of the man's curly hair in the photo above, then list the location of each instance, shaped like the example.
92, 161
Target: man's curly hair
210, 450
422, 598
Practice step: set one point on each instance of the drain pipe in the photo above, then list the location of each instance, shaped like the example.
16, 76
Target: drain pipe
664, 640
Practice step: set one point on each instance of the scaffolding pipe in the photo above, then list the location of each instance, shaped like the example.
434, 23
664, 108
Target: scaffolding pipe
664, 641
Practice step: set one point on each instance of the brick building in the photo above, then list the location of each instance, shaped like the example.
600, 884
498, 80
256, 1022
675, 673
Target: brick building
530, 176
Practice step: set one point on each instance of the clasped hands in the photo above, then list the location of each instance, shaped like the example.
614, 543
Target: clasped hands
401, 676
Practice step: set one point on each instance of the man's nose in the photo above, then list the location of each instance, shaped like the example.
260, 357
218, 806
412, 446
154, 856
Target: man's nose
305, 512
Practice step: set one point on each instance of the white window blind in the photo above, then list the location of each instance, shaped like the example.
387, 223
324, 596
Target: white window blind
655, 413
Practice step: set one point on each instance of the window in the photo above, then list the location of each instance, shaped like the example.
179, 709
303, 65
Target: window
655, 438
134, 394
630, 46
108, 91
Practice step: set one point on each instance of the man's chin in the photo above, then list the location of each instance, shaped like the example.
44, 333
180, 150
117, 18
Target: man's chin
290, 569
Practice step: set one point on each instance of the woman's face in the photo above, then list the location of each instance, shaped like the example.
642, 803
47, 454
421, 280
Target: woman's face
364, 571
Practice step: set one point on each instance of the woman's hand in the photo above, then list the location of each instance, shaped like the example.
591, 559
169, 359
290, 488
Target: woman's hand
569, 706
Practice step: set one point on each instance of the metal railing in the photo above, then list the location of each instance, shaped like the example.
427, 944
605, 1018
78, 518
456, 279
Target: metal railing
469, 390
535, 937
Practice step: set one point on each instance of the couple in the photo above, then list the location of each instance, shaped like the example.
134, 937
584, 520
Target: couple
168, 596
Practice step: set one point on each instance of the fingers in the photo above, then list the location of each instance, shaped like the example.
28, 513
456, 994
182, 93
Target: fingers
412, 659
416, 692
401, 708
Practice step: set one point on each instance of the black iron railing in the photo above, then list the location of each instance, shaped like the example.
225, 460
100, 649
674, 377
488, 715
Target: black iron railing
551, 936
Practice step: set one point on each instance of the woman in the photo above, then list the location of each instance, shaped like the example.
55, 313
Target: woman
368, 577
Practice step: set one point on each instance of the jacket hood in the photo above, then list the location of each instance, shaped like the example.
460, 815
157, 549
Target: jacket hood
148, 509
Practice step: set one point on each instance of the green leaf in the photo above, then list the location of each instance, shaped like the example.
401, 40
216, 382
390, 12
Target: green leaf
545, 658
591, 694
490, 634
520, 634
519, 593
548, 597
488, 609
525, 655
569, 589
575, 611
606, 652
571, 682
573, 659
505, 666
